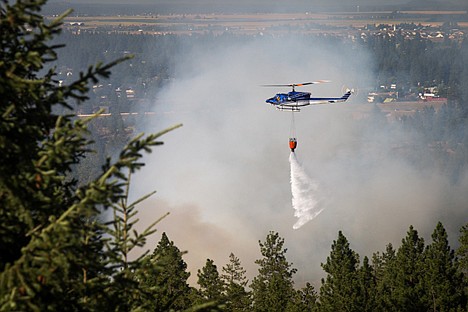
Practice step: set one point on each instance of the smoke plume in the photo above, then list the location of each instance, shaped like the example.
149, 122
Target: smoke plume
225, 178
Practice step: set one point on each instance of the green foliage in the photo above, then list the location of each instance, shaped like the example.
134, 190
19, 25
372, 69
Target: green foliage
442, 281
384, 266
462, 251
367, 286
235, 281
55, 251
164, 277
26, 120
408, 273
340, 288
211, 284
304, 299
462, 254
272, 288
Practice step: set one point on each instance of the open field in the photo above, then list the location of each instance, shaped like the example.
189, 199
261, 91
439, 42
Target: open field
274, 22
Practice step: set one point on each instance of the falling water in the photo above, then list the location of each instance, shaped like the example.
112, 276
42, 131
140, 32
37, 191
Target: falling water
305, 194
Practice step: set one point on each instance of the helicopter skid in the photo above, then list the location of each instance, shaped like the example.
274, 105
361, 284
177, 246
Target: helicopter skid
289, 109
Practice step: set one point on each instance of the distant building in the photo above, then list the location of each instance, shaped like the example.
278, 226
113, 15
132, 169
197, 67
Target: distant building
130, 93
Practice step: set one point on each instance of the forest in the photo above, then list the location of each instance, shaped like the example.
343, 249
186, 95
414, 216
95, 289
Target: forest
410, 63
58, 253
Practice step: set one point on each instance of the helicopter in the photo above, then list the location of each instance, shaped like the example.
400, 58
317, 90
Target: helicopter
293, 100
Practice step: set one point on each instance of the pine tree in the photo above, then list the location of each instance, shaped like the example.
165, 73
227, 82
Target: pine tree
442, 281
165, 276
340, 288
272, 288
211, 284
304, 299
462, 253
26, 122
406, 281
384, 268
367, 286
55, 251
233, 276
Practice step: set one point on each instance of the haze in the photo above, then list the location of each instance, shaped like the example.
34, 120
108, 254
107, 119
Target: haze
225, 179
225, 176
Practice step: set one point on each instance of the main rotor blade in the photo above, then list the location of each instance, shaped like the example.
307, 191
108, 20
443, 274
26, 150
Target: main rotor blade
277, 85
297, 84
313, 82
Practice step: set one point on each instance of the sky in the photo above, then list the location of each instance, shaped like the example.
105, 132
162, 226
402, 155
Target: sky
224, 177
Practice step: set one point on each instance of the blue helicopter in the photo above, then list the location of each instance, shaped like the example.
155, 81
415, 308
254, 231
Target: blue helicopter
293, 100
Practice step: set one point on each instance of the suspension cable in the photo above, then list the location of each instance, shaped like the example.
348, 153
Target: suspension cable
292, 131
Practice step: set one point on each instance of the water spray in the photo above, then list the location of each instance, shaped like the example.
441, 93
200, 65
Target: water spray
306, 199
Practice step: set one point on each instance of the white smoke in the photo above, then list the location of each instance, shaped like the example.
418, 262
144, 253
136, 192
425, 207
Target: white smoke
306, 200
224, 175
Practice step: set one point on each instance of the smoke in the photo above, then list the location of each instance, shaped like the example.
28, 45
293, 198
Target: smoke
306, 199
224, 175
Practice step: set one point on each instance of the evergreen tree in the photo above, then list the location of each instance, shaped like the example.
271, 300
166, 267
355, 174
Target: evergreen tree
462, 253
384, 267
165, 276
408, 272
272, 288
304, 299
367, 286
211, 284
120, 286
340, 288
55, 252
442, 281
233, 276
26, 121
